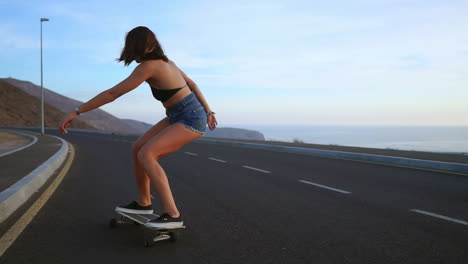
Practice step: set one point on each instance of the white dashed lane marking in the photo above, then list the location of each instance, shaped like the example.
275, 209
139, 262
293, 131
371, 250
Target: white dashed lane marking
440, 216
341, 191
256, 169
218, 160
325, 187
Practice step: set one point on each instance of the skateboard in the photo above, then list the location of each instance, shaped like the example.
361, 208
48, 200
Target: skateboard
158, 234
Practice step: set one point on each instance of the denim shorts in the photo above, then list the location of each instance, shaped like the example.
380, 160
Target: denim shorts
188, 112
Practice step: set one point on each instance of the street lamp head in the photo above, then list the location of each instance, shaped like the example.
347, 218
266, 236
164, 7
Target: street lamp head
44, 19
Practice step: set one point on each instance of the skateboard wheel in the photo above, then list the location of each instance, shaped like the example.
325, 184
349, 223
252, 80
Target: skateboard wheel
113, 223
148, 243
173, 237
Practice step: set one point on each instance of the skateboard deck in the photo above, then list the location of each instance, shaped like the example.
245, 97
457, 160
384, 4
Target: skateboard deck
142, 219
159, 234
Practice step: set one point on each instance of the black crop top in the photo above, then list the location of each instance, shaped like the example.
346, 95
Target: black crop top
164, 95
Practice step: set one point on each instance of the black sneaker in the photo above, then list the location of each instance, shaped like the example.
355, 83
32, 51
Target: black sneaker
135, 208
166, 221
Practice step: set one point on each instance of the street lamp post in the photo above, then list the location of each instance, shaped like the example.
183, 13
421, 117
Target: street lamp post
42, 88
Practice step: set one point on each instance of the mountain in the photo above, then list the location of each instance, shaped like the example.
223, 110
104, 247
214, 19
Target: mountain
97, 118
20, 106
17, 108
236, 133
220, 132
139, 126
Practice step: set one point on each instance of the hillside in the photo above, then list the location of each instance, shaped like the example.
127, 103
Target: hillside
139, 126
236, 133
220, 132
97, 118
18, 108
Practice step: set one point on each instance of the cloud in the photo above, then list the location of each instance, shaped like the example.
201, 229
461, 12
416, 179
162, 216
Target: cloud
68, 11
12, 38
343, 56
262, 45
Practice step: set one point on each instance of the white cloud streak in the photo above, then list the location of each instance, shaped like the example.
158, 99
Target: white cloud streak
268, 48
363, 56
12, 38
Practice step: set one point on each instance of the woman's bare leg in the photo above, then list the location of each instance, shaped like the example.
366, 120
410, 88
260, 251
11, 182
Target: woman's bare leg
142, 179
167, 141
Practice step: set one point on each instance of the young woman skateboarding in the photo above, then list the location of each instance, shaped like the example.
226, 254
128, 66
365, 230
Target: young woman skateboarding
187, 112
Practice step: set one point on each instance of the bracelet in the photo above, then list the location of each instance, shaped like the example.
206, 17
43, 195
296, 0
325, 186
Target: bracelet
77, 110
210, 113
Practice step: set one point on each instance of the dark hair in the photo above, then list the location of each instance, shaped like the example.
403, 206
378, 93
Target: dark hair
137, 42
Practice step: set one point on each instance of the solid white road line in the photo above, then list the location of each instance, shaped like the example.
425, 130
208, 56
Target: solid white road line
190, 153
440, 216
13, 233
218, 160
23, 147
325, 187
252, 168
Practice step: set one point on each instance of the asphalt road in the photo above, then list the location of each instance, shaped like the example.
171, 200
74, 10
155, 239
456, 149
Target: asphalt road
251, 206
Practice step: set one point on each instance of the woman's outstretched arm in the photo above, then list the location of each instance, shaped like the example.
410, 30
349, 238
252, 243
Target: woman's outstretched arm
138, 76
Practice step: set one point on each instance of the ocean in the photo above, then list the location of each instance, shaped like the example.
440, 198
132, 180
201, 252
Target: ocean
420, 138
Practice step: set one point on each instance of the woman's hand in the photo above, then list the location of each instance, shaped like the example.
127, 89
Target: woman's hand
66, 122
212, 123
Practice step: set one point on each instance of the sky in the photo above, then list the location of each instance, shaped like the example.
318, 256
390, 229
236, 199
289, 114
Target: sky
338, 62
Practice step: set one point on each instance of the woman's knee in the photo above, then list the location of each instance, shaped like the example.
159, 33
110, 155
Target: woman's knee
145, 155
136, 147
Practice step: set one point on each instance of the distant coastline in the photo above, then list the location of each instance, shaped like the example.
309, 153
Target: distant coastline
446, 139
